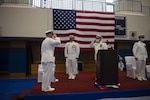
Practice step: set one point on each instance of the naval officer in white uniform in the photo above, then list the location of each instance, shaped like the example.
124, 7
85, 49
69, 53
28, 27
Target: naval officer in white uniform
98, 44
72, 51
48, 60
140, 54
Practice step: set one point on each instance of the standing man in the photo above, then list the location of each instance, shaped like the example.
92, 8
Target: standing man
72, 52
98, 45
48, 60
140, 54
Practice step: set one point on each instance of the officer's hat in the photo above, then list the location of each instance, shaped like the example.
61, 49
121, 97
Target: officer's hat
49, 31
141, 36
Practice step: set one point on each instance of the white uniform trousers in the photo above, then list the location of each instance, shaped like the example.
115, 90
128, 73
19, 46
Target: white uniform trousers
48, 74
71, 66
140, 68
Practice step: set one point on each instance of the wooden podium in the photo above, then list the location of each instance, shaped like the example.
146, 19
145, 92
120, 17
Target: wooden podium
107, 67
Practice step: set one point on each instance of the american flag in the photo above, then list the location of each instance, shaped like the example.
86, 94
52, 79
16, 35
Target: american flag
84, 25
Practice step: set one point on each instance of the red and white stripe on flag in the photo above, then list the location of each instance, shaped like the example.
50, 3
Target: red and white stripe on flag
88, 25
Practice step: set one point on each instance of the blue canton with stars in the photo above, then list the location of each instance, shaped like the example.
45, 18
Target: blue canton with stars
64, 19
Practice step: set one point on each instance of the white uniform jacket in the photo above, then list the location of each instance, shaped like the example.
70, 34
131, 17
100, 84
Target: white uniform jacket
72, 50
47, 49
98, 46
139, 50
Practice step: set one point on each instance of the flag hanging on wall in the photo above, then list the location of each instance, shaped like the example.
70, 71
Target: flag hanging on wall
84, 25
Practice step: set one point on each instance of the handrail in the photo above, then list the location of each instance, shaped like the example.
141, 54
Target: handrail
61, 4
119, 5
128, 5
16, 1
131, 6
146, 10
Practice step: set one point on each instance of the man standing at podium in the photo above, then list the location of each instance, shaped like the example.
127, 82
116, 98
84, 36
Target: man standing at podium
140, 54
98, 45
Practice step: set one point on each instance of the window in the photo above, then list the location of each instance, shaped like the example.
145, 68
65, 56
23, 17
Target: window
109, 1
90, 5
109, 6
62, 4
36, 3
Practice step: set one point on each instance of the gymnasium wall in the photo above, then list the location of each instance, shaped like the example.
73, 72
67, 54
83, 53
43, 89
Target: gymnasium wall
22, 31
33, 22
24, 22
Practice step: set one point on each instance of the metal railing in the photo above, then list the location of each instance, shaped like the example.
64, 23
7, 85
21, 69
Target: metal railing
96, 5
16, 1
146, 10
131, 6
101, 5
72, 4
128, 5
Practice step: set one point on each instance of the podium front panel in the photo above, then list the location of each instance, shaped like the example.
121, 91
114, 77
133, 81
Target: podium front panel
107, 67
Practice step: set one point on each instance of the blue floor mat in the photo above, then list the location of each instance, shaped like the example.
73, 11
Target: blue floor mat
12, 87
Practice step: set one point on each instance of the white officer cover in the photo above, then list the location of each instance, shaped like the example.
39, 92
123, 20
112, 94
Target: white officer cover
130, 66
40, 73
148, 71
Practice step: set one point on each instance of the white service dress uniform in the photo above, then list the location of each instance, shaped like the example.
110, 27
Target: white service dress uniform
140, 52
72, 51
98, 46
48, 60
